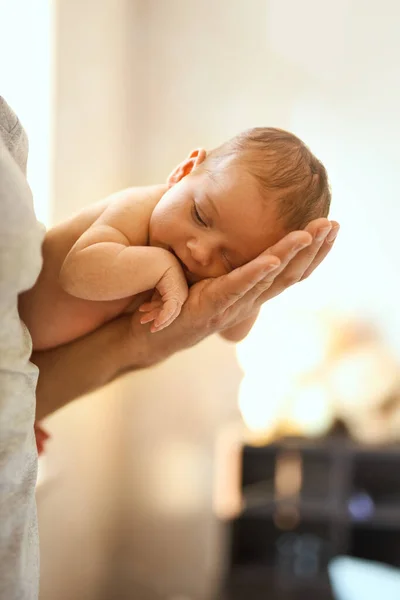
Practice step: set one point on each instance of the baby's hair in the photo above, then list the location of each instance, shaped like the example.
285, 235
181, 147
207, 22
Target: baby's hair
283, 166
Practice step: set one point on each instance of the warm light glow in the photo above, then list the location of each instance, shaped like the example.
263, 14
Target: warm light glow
261, 401
292, 343
273, 365
311, 369
26, 85
364, 378
312, 410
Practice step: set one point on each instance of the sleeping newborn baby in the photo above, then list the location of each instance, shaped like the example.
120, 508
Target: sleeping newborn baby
144, 246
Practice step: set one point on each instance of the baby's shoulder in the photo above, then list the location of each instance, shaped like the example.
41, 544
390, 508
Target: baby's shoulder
141, 199
130, 211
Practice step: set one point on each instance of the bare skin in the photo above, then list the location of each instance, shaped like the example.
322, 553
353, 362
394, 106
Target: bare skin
55, 316
108, 258
219, 305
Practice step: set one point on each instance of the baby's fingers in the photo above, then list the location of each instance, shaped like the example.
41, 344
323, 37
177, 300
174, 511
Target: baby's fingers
169, 312
155, 328
149, 306
150, 316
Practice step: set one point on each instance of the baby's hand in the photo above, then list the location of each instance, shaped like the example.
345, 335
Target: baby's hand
171, 292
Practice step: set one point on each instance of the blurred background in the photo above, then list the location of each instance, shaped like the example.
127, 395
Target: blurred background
222, 470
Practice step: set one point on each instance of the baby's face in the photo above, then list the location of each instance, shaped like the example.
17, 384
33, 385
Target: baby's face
214, 224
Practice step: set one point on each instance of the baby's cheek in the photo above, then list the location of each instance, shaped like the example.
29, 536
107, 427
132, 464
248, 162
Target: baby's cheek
213, 272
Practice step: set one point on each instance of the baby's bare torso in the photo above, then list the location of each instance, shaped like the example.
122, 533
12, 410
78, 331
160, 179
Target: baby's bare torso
53, 316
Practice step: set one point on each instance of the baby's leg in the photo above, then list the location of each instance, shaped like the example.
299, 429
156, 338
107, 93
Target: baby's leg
57, 318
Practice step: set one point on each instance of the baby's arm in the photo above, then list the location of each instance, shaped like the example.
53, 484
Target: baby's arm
104, 265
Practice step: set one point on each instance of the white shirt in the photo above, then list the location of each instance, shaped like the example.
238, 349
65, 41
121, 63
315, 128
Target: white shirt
20, 263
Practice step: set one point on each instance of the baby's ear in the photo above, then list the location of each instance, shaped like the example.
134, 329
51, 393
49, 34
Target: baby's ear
194, 159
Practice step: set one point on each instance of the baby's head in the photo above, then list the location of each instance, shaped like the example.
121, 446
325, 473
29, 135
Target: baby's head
224, 207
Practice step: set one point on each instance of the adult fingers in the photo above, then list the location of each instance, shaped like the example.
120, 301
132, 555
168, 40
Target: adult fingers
286, 251
224, 291
324, 249
252, 280
298, 264
288, 247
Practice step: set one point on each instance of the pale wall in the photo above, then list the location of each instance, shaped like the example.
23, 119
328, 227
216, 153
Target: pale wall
93, 155
94, 506
139, 85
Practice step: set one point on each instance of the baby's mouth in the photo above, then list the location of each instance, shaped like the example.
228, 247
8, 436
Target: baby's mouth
184, 267
191, 278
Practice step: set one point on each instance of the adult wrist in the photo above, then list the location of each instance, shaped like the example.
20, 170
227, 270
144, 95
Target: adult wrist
145, 349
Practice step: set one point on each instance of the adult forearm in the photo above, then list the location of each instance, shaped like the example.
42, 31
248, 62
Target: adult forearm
80, 367
75, 369
213, 306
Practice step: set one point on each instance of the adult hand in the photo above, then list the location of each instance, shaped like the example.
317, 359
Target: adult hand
323, 235
214, 305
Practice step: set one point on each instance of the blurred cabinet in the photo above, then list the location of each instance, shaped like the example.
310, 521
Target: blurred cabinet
304, 503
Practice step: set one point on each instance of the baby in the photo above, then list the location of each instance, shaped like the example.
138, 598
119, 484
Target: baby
143, 246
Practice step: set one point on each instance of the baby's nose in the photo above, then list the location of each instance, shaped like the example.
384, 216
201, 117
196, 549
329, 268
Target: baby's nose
200, 252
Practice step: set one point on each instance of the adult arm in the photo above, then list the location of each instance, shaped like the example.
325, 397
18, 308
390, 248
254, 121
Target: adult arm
215, 305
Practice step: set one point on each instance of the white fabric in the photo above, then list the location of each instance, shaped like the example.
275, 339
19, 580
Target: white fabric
20, 262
